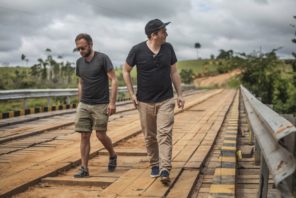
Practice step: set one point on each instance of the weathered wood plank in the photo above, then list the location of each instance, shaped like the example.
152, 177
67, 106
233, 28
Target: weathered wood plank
184, 184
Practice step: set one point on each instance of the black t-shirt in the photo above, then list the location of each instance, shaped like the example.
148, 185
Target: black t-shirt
153, 73
95, 82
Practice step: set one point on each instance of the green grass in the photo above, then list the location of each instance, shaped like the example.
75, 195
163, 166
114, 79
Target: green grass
11, 70
233, 83
199, 66
118, 71
287, 70
20, 78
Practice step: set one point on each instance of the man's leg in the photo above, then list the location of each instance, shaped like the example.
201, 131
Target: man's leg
84, 151
101, 117
165, 120
148, 123
83, 126
106, 141
85, 148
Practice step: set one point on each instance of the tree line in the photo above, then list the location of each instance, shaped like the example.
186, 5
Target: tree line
274, 84
46, 73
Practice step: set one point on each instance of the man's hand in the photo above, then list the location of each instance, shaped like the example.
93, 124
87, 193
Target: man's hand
180, 102
111, 109
135, 100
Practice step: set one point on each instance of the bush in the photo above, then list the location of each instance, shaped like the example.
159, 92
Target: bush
222, 69
186, 76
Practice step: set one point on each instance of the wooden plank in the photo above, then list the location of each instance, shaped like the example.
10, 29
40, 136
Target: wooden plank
122, 183
185, 154
252, 181
197, 158
157, 189
60, 191
139, 184
89, 181
222, 189
127, 152
184, 184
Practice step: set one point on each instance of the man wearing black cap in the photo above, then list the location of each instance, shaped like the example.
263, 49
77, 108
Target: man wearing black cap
156, 71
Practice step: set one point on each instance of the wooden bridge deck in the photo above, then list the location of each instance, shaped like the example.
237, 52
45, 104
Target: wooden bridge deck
39, 158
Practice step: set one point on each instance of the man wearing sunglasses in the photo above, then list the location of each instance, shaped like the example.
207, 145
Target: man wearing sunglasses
156, 71
94, 70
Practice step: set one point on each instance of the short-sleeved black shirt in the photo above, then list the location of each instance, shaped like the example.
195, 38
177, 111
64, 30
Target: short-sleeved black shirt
153, 73
95, 82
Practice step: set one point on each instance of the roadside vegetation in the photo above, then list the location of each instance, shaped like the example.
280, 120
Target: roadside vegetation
264, 74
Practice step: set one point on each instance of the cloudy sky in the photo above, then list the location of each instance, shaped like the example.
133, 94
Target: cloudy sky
30, 26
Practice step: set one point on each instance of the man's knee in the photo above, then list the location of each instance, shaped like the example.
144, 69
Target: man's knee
101, 135
85, 136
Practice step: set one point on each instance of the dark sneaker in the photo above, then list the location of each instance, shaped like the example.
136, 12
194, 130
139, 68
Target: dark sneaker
112, 163
82, 173
165, 177
154, 171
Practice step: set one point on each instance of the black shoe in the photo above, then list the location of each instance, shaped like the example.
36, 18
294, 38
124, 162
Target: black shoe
82, 173
165, 177
112, 163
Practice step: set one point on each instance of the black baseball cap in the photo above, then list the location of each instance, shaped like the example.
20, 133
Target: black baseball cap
154, 26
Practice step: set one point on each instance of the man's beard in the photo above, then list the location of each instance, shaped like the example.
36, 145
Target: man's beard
87, 54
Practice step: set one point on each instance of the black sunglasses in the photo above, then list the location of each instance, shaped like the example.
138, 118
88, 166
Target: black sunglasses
80, 48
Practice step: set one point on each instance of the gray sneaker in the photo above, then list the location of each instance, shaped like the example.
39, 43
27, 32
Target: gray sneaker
82, 173
112, 163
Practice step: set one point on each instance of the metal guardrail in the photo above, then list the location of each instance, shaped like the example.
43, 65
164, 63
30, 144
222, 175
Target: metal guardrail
24, 94
269, 128
41, 93
35, 93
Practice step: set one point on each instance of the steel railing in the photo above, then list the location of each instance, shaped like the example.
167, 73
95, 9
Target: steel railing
41, 93
24, 94
269, 128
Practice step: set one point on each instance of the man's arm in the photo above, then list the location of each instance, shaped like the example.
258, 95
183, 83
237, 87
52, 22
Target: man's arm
177, 84
128, 81
114, 85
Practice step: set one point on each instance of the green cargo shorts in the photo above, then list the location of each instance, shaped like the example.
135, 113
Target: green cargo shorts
91, 117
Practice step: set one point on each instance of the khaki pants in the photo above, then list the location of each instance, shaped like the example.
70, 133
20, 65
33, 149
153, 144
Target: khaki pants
157, 124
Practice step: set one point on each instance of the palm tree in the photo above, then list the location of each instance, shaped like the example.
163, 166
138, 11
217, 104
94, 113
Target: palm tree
48, 50
49, 72
197, 46
24, 58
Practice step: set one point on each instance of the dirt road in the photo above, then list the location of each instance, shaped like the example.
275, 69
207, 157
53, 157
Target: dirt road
215, 80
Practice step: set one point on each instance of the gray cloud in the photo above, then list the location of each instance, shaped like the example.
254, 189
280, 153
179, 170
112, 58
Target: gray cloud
31, 26
139, 9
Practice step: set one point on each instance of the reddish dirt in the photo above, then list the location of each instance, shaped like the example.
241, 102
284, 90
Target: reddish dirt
215, 80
